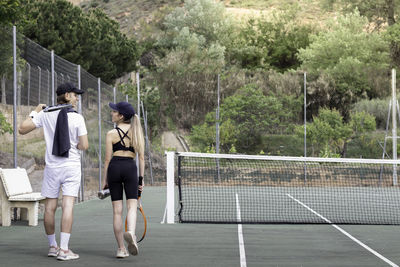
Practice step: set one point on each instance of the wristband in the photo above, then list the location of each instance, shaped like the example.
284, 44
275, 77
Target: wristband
33, 114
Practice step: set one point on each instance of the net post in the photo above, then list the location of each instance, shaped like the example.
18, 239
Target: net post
170, 187
394, 125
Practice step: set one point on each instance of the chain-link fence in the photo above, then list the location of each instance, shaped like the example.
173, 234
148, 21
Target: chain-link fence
33, 79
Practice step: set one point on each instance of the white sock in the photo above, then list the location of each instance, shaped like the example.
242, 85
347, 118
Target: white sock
64, 240
52, 240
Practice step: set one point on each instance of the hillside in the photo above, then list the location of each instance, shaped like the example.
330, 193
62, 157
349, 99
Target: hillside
135, 16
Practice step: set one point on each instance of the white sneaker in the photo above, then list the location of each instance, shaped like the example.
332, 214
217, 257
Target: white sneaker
132, 245
122, 253
53, 251
67, 255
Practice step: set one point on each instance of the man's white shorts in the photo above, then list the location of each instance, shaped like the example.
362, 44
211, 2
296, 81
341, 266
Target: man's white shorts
67, 178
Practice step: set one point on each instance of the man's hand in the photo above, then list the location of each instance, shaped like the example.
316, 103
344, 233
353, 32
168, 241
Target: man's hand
40, 107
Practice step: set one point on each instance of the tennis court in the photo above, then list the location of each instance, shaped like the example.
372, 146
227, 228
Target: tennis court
189, 244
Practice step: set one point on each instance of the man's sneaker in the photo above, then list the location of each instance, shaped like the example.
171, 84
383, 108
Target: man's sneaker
53, 251
66, 255
122, 253
132, 245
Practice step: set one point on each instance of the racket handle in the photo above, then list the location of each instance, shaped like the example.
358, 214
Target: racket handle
102, 194
140, 183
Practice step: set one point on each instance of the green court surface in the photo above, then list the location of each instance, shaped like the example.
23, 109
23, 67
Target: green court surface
203, 244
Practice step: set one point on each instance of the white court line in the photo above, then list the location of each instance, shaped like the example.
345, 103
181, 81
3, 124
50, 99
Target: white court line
165, 215
240, 235
346, 234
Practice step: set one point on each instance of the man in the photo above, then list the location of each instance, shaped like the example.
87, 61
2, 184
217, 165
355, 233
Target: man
65, 134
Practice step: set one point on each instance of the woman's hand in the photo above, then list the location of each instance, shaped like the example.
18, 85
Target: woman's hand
105, 186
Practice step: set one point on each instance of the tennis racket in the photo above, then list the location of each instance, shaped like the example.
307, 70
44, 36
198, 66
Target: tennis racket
56, 107
141, 221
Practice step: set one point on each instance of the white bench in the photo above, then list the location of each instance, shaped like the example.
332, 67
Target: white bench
16, 192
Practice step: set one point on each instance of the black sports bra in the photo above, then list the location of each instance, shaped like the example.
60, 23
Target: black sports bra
120, 145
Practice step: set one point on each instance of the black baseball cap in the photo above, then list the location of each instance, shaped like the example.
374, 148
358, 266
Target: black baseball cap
123, 108
67, 88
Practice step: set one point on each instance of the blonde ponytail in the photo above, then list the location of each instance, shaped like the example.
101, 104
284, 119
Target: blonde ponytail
136, 135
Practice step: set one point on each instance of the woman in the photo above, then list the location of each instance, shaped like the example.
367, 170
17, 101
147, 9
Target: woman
120, 171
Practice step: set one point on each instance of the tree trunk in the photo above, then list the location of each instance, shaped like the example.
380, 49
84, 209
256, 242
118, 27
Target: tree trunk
3, 89
394, 48
390, 12
344, 150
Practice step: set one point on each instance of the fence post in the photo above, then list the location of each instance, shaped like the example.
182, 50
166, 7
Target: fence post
52, 77
305, 114
138, 113
394, 125
29, 83
82, 194
48, 86
147, 142
15, 94
99, 108
40, 82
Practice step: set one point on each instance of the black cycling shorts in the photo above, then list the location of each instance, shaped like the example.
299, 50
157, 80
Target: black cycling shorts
122, 176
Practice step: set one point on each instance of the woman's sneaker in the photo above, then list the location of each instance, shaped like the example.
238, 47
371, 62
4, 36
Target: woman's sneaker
122, 253
132, 245
66, 255
53, 251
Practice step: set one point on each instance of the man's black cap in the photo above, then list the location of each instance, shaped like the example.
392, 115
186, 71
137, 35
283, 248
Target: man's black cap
67, 88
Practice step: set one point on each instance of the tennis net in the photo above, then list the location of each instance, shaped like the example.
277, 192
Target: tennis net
220, 188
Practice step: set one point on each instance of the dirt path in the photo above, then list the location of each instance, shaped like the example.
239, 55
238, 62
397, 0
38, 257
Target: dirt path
170, 141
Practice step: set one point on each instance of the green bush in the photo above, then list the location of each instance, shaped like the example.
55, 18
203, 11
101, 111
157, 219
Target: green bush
377, 107
245, 118
5, 127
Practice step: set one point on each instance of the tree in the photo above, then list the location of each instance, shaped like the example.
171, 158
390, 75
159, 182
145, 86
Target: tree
272, 43
206, 19
186, 77
10, 12
245, 117
380, 13
91, 40
331, 134
347, 56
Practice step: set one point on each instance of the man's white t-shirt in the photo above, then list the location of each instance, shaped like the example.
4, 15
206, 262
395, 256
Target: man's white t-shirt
76, 126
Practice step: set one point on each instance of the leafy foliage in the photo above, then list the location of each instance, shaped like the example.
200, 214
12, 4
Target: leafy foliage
194, 40
5, 127
331, 134
91, 40
205, 20
10, 12
266, 43
245, 118
345, 55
